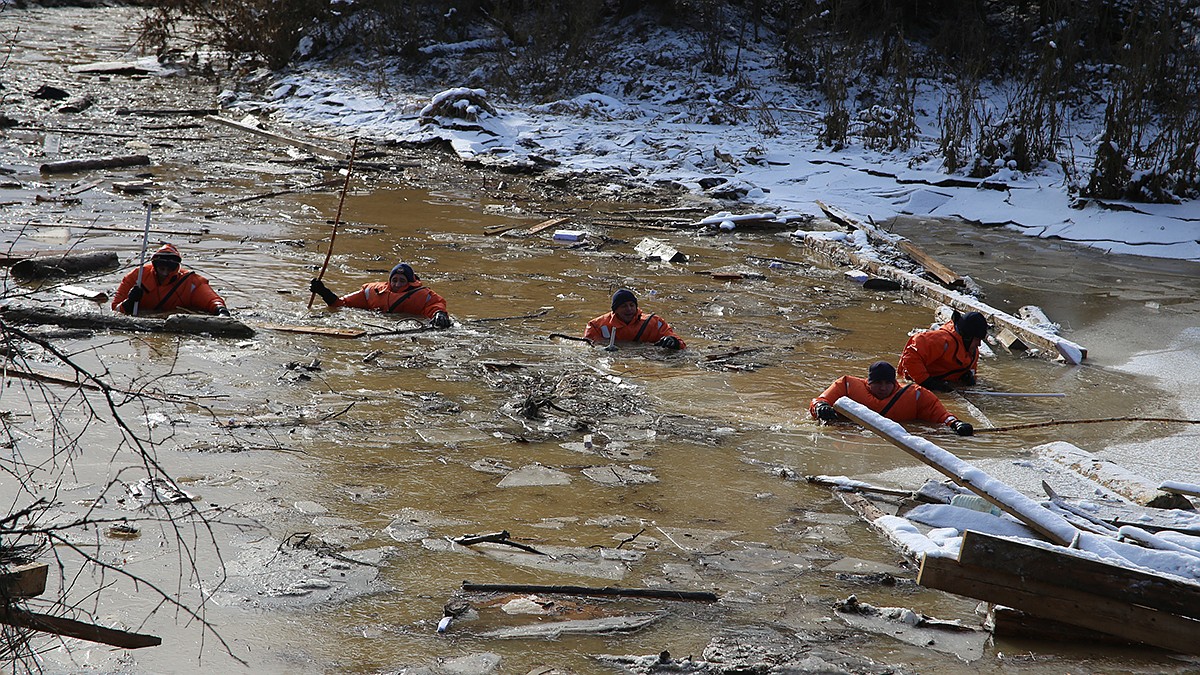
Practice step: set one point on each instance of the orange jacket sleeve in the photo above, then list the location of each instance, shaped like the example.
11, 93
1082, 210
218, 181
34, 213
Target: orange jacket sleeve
838, 389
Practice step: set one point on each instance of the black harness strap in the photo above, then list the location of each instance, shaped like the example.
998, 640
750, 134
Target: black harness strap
405, 297
172, 291
886, 408
638, 337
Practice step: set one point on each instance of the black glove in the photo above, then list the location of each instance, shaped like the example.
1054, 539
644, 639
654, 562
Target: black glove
825, 412
441, 320
222, 311
668, 341
317, 286
968, 379
962, 428
937, 384
136, 293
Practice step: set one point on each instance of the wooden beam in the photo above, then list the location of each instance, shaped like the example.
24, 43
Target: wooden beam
934, 295
944, 274
1053, 595
545, 225
76, 629
1006, 622
1114, 477
315, 330
1030, 513
23, 581
661, 593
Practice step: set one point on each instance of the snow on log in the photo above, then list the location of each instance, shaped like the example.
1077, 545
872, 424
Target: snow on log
1112, 476
1041, 520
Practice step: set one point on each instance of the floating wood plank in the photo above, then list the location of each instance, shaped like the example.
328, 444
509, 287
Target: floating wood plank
327, 331
1050, 525
500, 229
73, 165
311, 147
546, 225
23, 581
1128, 603
1010, 340
1006, 622
944, 274
935, 295
44, 267
39, 375
85, 293
1112, 476
1180, 488
76, 629
661, 593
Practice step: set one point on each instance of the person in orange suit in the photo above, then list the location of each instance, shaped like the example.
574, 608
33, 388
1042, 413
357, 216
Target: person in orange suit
880, 392
630, 324
939, 359
402, 293
166, 286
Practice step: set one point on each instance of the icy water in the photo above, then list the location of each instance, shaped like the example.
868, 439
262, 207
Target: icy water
391, 443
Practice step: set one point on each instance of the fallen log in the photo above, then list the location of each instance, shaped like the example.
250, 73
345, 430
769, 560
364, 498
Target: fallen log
76, 629
73, 165
44, 267
327, 331
176, 323
23, 581
1112, 476
311, 147
85, 293
660, 593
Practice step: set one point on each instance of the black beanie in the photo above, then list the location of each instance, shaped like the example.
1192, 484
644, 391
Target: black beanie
971, 325
881, 371
404, 270
621, 297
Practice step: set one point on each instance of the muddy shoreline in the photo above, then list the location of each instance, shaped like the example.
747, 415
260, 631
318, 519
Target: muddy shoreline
308, 538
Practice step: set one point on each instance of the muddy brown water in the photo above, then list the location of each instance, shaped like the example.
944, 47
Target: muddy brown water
393, 440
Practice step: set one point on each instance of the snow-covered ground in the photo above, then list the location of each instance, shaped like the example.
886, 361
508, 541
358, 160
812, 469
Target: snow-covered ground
750, 132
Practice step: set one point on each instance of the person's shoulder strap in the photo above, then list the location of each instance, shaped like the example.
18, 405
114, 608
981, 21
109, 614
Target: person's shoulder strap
641, 330
886, 408
172, 291
403, 298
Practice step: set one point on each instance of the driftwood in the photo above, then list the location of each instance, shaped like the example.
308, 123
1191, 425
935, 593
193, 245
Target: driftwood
73, 165
1053, 423
116, 228
23, 581
85, 293
315, 330
43, 267
176, 323
826, 481
661, 593
77, 629
501, 537
311, 147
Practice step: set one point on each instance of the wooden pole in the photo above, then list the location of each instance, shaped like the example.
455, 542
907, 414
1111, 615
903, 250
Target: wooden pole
77, 629
145, 243
337, 219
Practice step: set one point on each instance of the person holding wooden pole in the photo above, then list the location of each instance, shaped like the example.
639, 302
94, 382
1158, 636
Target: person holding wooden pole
880, 392
402, 293
163, 285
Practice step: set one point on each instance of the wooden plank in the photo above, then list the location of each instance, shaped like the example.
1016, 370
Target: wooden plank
546, 224
935, 295
311, 147
1052, 601
944, 274
77, 629
85, 293
501, 229
1113, 476
1180, 488
314, 330
1024, 509
1062, 568
1006, 622
23, 581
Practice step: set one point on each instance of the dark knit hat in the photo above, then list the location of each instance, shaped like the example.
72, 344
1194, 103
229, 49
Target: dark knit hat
621, 297
971, 325
167, 253
881, 371
405, 270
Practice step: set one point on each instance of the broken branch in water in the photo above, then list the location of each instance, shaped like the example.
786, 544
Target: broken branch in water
501, 537
662, 593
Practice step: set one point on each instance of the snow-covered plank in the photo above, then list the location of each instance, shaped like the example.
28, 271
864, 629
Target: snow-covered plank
1112, 476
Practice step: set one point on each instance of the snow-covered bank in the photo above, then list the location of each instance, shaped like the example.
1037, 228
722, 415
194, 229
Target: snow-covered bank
683, 128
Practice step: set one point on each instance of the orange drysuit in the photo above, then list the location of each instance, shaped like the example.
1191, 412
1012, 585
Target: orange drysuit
939, 353
915, 403
643, 328
184, 289
412, 299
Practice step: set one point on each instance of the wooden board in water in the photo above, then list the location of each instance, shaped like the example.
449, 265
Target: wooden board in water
316, 330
